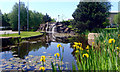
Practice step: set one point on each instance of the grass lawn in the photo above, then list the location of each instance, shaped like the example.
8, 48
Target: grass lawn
23, 34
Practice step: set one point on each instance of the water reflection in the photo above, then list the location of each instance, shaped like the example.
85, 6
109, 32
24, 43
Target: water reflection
47, 44
24, 48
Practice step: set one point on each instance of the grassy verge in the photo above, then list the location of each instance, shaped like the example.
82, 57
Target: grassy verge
23, 34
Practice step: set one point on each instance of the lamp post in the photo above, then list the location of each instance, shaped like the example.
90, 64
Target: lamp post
58, 18
19, 19
28, 15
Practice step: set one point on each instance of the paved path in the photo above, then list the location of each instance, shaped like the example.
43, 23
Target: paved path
7, 32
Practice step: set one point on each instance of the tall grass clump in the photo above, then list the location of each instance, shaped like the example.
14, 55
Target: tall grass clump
104, 54
58, 56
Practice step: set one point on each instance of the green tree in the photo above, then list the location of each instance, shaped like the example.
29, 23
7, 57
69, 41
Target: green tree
0, 18
13, 16
90, 15
46, 18
106, 23
35, 19
5, 20
53, 20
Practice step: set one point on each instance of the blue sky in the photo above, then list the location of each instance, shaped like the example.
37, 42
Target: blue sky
63, 8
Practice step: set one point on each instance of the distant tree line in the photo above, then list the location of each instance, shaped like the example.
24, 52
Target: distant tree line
35, 18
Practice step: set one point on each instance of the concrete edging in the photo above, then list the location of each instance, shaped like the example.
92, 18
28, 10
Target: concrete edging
7, 40
32, 37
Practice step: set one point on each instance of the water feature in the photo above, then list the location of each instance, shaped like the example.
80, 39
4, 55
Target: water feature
35, 48
53, 29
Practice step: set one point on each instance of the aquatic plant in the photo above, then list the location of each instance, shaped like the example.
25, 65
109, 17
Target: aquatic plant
60, 54
43, 60
57, 54
86, 55
59, 45
42, 68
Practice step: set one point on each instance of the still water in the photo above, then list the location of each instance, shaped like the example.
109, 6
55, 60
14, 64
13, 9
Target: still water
46, 45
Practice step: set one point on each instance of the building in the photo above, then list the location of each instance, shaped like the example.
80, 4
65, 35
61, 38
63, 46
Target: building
111, 17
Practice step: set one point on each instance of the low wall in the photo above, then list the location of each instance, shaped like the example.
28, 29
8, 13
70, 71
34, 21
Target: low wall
6, 41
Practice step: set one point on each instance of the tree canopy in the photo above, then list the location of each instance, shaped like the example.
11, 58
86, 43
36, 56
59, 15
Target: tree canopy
0, 15
35, 18
46, 18
13, 16
0, 18
90, 15
5, 20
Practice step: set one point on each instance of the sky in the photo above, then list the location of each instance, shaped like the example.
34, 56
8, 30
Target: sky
63, 8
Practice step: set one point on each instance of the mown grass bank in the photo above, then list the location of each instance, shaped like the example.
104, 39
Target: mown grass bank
24, 34
13, 39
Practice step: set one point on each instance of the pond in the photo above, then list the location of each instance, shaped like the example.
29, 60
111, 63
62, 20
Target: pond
28, 53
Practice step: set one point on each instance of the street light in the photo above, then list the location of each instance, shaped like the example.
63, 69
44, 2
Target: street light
28, 15
58, 18
19, 19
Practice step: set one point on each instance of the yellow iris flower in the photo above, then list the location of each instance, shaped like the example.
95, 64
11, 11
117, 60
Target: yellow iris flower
87, 50
92, 43
77, 47
80, 48
111, 40
77, 51
42, 68
118, 48
57, 54
76, 43
80, 44
74, 46
86, 55
87, 47
59, 45
42, 58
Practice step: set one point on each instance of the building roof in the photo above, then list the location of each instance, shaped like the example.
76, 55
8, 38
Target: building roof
114, 12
